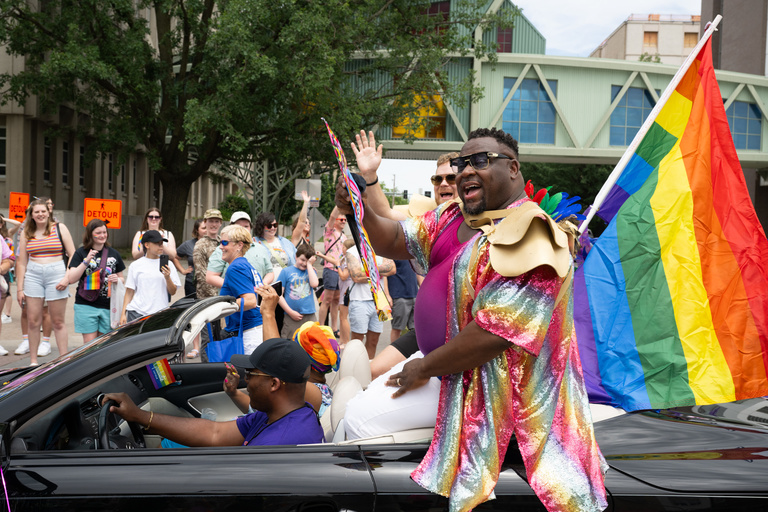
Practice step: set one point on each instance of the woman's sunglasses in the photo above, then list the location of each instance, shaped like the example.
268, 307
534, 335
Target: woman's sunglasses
437, 179
273, 225
478, 161
153, 217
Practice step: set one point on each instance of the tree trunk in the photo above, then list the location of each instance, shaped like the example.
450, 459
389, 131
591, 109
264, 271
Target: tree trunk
174, 207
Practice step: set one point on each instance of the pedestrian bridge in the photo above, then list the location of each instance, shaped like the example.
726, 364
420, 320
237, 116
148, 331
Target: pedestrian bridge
576, 110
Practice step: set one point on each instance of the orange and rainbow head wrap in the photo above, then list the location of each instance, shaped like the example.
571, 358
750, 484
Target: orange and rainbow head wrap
321, 346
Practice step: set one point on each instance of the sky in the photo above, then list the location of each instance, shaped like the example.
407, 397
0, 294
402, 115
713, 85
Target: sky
572, 29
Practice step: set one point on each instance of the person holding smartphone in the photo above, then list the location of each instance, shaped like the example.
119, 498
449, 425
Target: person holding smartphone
150, 280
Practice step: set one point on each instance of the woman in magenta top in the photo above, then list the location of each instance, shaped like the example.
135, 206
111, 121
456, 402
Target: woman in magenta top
41, 270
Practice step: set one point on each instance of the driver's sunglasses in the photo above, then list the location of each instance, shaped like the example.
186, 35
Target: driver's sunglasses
478, 161
249, 374
437, 179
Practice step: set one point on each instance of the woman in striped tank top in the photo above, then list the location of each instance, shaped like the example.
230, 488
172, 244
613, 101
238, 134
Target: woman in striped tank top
41, 271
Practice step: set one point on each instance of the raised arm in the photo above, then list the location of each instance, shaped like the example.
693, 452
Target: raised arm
299, 230
386, 235
368, 157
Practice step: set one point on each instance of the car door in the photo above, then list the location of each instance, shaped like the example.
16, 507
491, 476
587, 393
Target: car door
391, 466
316, 478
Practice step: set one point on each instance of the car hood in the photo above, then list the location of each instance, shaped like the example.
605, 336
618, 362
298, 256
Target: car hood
721, 448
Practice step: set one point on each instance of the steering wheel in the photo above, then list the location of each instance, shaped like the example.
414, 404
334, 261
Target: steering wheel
138, 435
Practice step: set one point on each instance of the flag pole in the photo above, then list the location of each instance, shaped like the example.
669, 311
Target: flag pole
619, 169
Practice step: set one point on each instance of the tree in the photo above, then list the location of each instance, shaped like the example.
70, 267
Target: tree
583, 180
230, 81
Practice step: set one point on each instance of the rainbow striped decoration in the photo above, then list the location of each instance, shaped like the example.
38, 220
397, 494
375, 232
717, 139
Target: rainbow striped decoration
92, 281
671, 304
367, 255
161, 374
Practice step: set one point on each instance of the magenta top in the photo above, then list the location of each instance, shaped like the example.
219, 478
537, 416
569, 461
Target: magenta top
433, 293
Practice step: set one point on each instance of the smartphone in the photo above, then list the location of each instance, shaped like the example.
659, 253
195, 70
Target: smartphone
163, 261
278, 286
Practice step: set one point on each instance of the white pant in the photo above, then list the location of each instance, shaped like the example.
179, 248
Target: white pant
374, 412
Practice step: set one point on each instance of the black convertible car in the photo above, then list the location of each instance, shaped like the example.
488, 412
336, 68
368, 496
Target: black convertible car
61, 451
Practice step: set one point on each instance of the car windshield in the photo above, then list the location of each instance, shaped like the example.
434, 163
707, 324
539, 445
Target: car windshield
159, 321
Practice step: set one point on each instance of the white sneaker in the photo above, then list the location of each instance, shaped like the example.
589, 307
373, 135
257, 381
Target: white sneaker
6, 319
23, 348
44, 349
3, 352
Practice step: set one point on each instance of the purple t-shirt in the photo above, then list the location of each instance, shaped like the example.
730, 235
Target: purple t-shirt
433, 293
297, 427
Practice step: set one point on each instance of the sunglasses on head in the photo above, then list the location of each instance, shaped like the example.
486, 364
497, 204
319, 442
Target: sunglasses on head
437, 179
478, 161
272, 225
153, 217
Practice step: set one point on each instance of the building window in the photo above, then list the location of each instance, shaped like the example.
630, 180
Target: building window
690, 39
650, 40
745, 121
133, 180
504, 40
82, 166
629, 114
65, 163
434, 112
530, 115
46, 159
110, 172
3, 164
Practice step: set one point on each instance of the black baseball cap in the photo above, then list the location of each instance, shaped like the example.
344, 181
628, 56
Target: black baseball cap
153, 236
278, 357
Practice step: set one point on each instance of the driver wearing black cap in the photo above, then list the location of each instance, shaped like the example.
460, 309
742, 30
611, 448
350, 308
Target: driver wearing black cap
276, 374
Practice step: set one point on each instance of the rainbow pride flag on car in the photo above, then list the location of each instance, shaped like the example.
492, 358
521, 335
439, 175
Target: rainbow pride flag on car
671, 304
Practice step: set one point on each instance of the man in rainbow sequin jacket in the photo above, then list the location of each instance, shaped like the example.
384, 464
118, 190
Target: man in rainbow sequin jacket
506, 350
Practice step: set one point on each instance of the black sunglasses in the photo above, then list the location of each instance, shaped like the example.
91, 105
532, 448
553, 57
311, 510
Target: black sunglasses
437, 179
478, 161
154, 217
272, 225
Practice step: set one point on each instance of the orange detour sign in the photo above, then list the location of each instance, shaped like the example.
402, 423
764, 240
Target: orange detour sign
17, 206
108, 210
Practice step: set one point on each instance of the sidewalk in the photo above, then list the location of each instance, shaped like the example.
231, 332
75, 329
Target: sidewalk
10, 334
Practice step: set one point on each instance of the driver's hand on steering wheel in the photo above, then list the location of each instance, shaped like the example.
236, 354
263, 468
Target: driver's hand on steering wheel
125, 408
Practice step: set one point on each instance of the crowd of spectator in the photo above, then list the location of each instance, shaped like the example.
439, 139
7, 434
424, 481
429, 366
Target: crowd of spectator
44, 262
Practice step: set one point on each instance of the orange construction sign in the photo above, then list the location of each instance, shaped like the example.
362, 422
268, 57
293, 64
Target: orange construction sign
17, 206
108, 210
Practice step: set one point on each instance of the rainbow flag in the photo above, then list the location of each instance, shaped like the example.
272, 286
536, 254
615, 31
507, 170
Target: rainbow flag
92, 281
671, 304
161, 374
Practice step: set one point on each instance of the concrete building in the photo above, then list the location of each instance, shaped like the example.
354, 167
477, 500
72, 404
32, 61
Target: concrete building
741, 45
664, 38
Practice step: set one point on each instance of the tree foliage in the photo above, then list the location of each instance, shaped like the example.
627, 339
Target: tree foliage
234, 80
583, 180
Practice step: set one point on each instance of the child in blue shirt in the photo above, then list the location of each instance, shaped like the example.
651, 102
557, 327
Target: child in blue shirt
298, 300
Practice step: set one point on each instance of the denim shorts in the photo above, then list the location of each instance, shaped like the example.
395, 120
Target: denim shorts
363, 317
40, 280
90, 319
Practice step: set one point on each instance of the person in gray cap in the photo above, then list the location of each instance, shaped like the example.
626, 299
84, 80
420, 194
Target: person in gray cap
275, 374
